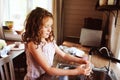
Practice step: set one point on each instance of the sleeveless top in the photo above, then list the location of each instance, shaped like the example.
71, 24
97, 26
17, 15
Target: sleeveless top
33, 69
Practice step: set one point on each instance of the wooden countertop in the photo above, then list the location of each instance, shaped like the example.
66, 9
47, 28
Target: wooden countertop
14, 53
97, 61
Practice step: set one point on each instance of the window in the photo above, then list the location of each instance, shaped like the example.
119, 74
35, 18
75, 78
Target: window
47, 4
17, 10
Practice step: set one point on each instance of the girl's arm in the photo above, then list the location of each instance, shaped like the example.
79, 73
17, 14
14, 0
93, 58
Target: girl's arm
41, 60
69, 57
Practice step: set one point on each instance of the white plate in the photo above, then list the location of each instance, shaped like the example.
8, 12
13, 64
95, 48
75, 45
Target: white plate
21, 47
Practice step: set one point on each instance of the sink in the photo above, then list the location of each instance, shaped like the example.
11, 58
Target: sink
65, 66
97, 73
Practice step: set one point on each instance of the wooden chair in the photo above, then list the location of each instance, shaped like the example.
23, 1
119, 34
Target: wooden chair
6, 69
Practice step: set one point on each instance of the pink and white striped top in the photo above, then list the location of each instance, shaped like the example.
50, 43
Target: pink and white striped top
33, 69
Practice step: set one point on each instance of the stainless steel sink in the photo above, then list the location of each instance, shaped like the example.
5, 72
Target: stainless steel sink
65, 66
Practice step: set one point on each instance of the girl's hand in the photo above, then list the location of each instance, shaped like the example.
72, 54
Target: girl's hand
83, 60
84, 69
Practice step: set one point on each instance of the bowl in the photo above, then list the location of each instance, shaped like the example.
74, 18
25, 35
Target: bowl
19, 32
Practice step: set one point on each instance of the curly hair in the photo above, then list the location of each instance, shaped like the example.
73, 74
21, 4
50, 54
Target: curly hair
34, 23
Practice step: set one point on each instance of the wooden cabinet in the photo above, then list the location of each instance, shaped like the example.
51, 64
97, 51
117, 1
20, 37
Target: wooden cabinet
108, 7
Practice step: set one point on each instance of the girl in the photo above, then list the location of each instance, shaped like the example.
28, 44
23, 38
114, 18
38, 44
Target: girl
41, 48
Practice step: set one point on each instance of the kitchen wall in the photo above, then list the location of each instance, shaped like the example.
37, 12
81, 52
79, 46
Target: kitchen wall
74, 13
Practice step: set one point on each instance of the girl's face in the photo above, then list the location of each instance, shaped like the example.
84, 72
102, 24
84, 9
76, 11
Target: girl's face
47, 27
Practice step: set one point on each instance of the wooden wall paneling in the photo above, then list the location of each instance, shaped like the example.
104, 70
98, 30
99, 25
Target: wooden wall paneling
74, 13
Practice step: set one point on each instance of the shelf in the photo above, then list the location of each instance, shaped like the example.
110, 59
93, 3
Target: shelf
74, 39
108, 7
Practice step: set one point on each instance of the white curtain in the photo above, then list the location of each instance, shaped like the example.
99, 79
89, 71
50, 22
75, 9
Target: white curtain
1, 18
